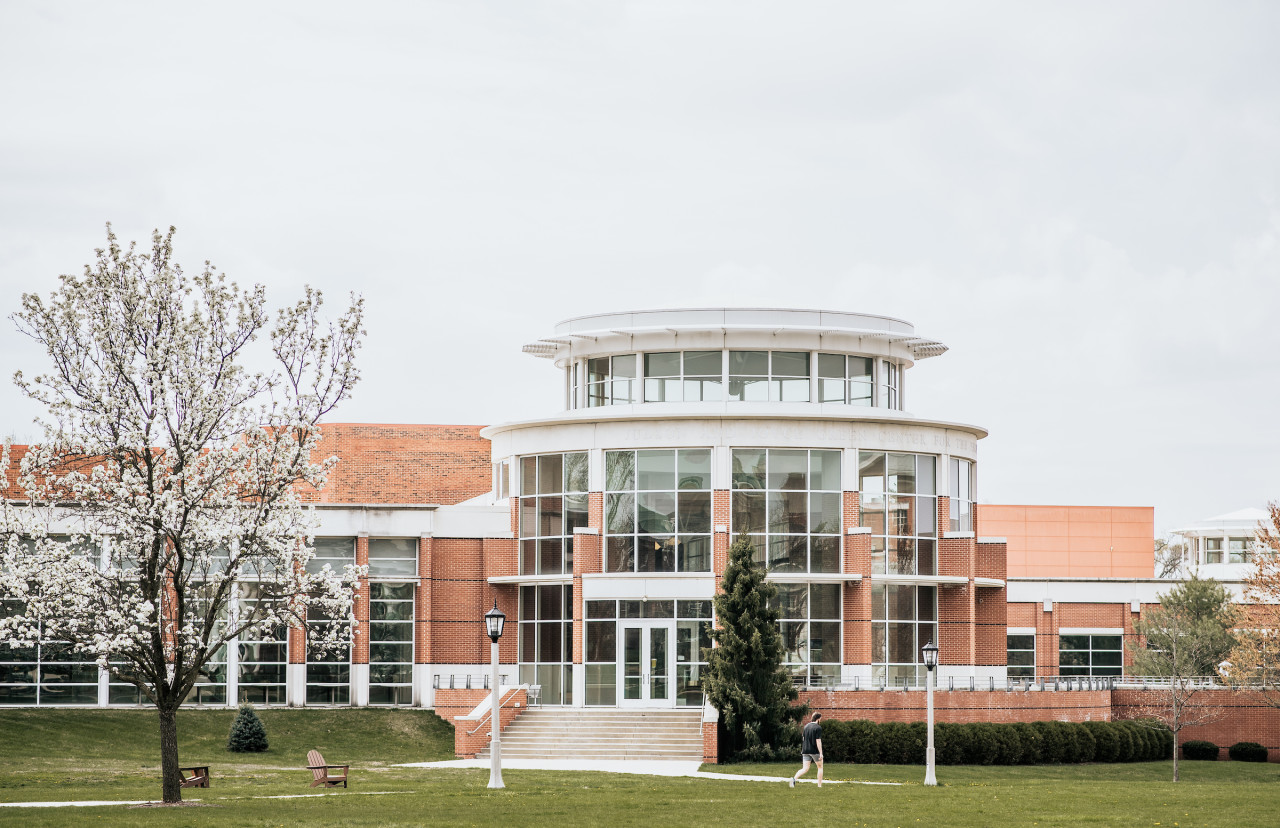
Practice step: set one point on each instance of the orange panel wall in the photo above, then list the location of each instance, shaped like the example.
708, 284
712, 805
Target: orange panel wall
1074, 541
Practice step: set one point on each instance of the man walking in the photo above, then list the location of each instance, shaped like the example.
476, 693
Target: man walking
810, 749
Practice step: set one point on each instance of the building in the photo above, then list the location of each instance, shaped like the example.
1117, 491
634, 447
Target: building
602, 530
1222, 547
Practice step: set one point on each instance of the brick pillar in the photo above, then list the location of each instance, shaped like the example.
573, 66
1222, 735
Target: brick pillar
360, 640
720, 542
857, 594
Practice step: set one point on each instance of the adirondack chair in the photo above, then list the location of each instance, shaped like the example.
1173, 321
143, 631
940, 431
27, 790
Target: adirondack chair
315, 763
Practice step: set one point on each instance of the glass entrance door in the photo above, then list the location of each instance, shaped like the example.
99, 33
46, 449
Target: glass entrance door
645, 665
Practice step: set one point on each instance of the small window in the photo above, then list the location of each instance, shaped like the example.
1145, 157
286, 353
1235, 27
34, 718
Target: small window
1213, 550
1021, 655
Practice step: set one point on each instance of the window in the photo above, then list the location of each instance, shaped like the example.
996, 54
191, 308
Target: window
689, 376
262, 655
845, 379
658, 510
336, 553
810, 626
789, 502
611, 380
1021, 655
898, 505
961, 495
780, 376
546, 640
889, 387
1090, 655
1213, 550
328, 670
1238, 550
44, 672
903, 620
393, 558
553, 502
390, 641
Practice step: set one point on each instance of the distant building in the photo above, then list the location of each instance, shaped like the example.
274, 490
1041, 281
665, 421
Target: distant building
1222, 547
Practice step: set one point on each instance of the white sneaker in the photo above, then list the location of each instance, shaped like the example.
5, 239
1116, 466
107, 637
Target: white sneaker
791, 782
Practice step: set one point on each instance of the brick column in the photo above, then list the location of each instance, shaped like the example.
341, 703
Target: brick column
857, 594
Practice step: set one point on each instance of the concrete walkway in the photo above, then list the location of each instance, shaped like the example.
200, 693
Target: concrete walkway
642, 767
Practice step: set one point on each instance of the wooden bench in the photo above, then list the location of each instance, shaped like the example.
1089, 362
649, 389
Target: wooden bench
320, 771
196, 776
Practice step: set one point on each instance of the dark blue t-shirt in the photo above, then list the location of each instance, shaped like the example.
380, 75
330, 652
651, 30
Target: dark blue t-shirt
809, 739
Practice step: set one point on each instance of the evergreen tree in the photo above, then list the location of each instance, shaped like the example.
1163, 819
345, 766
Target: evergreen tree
247, 733
745, 679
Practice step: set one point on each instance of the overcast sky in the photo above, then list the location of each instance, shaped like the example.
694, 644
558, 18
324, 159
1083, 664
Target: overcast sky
1079, 199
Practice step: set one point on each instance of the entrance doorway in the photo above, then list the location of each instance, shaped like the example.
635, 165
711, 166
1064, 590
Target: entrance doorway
645, 664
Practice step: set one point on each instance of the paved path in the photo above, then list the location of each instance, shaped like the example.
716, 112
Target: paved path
644, 767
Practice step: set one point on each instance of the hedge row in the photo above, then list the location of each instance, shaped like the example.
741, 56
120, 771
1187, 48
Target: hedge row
1239, 752
1034, 743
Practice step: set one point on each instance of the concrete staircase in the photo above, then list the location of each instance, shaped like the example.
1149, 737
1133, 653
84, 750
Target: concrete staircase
576, 733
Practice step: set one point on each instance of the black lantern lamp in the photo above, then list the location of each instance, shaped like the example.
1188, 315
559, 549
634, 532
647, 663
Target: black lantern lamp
930, 656
495, 618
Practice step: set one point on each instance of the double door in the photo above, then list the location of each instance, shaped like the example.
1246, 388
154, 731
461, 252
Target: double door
645, 664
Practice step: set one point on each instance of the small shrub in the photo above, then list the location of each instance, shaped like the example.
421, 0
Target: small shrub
1052, 748
1247, 752
949, 743
1200, 750
901, 743
1106, 745
863, 741
983, 747
1009, 744
1070, 742
1141, 746
835, 741
1124, 742
247, 733
1086, 745
1030, 740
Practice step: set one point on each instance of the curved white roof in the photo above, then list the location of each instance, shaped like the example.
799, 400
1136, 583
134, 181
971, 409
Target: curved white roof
841, 329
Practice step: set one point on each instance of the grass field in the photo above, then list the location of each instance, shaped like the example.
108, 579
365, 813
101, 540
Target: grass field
92, 754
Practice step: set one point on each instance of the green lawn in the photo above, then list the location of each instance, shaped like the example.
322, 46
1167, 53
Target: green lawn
93, 754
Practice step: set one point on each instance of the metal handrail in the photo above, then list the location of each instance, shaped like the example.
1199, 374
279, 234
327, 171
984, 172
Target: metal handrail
488, 716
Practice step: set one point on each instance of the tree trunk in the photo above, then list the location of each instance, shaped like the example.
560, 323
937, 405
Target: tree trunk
171, 780
1175, 757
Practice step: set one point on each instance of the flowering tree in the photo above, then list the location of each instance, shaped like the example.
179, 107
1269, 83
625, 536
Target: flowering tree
1255, 662
178, 466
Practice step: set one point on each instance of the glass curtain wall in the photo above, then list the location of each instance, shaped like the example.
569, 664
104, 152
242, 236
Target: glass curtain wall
546, 640
658, 510
903, 619
764, 376
44, 673
391, 619
684, 376
899, 505
788, 501
612, 380
329, 671
262, 656
810, 626
553, 502
845, 379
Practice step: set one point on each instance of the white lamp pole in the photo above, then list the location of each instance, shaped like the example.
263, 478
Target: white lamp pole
493, 622
930, 661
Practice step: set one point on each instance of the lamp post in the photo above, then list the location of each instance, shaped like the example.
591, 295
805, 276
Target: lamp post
493, 622
930, 661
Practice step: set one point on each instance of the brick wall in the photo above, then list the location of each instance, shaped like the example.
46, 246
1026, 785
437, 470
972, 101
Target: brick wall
404, 463
1246, 717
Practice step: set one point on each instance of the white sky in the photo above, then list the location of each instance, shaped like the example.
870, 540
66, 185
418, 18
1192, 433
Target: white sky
1080, 199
